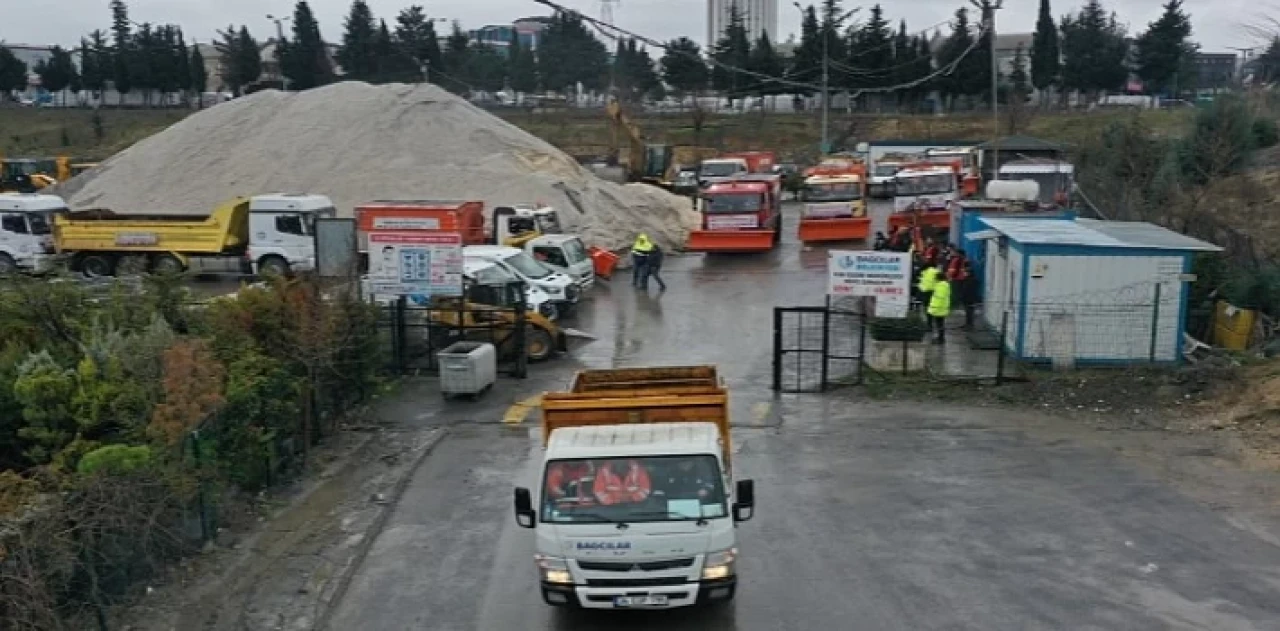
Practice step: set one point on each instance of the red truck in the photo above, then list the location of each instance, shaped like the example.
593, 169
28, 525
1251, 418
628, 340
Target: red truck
739, 215
734, 165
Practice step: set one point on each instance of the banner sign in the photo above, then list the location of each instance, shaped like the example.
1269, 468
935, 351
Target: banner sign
409, 263
877, 274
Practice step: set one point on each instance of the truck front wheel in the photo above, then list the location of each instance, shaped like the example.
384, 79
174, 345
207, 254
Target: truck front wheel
98, 265
7, 265
273, 266
167, 264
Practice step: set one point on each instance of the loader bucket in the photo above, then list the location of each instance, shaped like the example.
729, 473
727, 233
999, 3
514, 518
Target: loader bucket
731, 240
834, 229
603, 261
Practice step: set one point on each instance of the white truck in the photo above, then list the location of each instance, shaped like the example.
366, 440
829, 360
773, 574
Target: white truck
26, 231
536, 229
561, 288
637, 506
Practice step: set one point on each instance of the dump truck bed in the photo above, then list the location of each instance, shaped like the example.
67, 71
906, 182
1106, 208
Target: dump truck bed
621, 396
227, 228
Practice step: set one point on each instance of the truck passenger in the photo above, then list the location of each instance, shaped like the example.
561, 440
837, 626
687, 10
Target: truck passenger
622, 482
566, 480
687, 480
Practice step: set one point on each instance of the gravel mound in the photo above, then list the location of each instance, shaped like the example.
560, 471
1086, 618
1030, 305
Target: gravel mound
355, 143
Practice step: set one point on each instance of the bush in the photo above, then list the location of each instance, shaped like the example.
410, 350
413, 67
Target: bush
1265, 133
115, 459
912, 328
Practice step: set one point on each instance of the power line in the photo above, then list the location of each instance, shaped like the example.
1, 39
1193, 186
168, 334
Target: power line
945, 69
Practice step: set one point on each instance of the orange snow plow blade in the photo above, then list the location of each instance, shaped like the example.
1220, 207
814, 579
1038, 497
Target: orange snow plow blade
603, 261
730, 240
935, 219
836, 229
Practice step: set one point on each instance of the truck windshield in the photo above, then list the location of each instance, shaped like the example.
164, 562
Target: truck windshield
40, 223
926, 184
886, 170
548, 223
842, 192
733, 203
645, 488
527, 266
575, 251
720, 169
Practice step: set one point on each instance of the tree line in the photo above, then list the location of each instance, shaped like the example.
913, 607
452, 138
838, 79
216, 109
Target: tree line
1088, 52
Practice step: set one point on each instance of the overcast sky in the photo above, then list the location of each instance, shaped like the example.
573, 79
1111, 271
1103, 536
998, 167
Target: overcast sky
1219, 24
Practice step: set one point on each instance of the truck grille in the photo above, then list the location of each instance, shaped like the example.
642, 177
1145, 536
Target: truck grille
637, 582
646, 566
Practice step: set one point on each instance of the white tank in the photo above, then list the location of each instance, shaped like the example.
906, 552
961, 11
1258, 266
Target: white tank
1013, 190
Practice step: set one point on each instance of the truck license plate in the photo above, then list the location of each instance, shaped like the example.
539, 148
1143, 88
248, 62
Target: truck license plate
640, 601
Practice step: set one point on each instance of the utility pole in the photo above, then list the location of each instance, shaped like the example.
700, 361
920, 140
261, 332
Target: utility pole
826, 72
989, 8
284, 78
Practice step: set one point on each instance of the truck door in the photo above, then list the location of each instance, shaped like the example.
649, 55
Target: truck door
291, 236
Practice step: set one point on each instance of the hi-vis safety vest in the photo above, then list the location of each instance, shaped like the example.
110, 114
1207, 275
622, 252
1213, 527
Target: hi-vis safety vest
610, 488
642, 245
928, 278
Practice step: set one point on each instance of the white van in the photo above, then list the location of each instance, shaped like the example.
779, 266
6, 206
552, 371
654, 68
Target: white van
26, 231
561, 287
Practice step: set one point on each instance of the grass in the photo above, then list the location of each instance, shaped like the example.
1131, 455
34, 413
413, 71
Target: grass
49, 132
46, 132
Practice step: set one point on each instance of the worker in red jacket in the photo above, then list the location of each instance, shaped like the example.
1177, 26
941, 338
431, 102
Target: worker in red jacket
622, 482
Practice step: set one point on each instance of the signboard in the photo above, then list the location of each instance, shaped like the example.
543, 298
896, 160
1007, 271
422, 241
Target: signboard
336, 255
731, 222
885, 276
409, 263
406, 223
828, 209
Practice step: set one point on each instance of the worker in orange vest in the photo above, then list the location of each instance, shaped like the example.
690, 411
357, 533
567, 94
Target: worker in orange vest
622, 482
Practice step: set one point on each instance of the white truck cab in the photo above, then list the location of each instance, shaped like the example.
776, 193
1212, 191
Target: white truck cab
486, 283
564, 253
927, 188
636, 507
282, 231
26, 231
721, 170
562, 289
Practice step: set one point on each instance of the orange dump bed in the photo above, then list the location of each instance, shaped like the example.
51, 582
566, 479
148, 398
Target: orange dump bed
463, 217
619, 396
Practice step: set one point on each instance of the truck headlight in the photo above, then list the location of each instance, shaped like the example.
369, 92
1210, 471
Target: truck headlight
719, 565
553, 569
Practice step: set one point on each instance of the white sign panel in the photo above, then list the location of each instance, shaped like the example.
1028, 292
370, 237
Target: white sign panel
877, 274
828, 209
731, 222
891, 306
406, 223
407, 263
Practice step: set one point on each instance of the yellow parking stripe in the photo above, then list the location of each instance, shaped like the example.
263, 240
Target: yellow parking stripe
521, 409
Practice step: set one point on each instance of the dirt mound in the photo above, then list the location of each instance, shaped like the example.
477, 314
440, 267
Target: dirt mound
355, 142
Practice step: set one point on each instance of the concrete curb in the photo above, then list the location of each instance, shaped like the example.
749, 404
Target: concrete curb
374, 531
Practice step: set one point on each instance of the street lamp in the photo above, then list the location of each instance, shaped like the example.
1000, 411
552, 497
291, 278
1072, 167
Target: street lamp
826, 74
284, 79
989, 8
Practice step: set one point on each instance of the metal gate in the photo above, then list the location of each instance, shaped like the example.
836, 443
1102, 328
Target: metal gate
815, 348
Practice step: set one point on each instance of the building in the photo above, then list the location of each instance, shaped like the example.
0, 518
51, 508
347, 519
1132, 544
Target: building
1085, 291
498, 36
759, 16
1214, 71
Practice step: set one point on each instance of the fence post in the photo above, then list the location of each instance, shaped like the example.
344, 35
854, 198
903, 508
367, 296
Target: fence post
1000, 352
826, 344
862, 341
1155, 325
777, 349
521, 344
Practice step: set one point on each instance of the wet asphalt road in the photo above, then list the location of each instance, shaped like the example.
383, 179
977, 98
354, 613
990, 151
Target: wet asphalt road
870, 516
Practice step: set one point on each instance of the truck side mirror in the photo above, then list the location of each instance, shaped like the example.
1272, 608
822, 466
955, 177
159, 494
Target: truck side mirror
745, 506
525, 517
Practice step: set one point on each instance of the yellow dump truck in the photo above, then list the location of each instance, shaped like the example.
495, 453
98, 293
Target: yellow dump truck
637, 508
264, 234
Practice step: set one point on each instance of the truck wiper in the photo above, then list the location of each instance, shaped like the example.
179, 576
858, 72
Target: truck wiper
700, 520
596, 516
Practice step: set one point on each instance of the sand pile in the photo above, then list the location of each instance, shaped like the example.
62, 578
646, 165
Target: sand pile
355, 142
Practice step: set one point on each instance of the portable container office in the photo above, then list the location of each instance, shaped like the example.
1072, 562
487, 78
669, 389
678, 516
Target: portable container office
1088, 291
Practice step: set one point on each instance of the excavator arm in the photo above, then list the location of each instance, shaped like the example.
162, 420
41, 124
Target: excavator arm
623, 126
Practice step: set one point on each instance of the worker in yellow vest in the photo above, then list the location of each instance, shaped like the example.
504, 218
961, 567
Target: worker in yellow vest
939, 304
640, 251
924, 287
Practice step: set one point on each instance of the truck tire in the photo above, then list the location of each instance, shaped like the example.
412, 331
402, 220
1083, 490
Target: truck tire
7, 265
98, 265
538, 344
167, 264
273, 266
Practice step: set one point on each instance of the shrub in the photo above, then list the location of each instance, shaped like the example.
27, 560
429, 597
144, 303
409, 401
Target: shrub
115, 459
